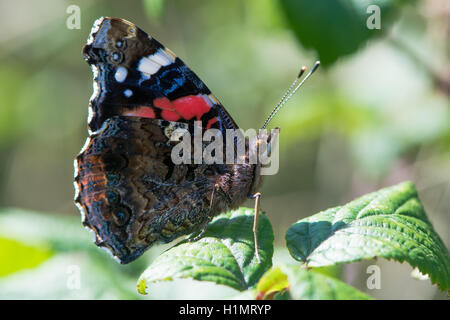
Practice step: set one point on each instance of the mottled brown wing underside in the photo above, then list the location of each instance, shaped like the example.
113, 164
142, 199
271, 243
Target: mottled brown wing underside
131, 194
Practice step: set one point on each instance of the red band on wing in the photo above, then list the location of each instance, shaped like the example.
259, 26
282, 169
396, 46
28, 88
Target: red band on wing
211, 122
168, 113
185, 107
192, 106
144, 112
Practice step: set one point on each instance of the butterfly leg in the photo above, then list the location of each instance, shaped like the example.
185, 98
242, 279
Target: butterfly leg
257, 197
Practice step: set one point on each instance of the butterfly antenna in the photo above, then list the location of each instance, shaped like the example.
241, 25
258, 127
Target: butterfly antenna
291, 91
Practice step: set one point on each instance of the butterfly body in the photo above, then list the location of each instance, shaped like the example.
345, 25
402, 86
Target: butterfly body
129, 191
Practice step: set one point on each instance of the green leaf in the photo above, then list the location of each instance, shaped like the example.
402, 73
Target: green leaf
335, 28
272, 282
57, 232
17, 256
70, 275
334, 271
224, 255
38, 251
390, 223
307, 284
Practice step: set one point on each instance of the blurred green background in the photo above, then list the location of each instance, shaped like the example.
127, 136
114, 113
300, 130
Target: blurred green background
376, 113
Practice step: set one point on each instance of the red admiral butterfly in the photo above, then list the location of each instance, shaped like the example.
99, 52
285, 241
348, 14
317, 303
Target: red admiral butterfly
129, 191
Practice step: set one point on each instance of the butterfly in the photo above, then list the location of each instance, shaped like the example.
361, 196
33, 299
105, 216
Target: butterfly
129, 191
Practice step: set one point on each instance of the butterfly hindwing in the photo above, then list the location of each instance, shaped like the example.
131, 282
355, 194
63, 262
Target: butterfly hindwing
130, 193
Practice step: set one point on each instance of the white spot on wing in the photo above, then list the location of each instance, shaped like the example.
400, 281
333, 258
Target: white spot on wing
128, 93
162, 58
148, 66
121, 74
152, 63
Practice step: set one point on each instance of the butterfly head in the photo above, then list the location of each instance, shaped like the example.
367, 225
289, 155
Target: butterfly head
264, 147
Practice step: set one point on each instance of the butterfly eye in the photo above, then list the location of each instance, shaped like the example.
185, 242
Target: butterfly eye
117, 57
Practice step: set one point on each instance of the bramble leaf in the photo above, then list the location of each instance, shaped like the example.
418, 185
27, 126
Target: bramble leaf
272, 282
18, 256
390, 223
307, 284
224, 255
